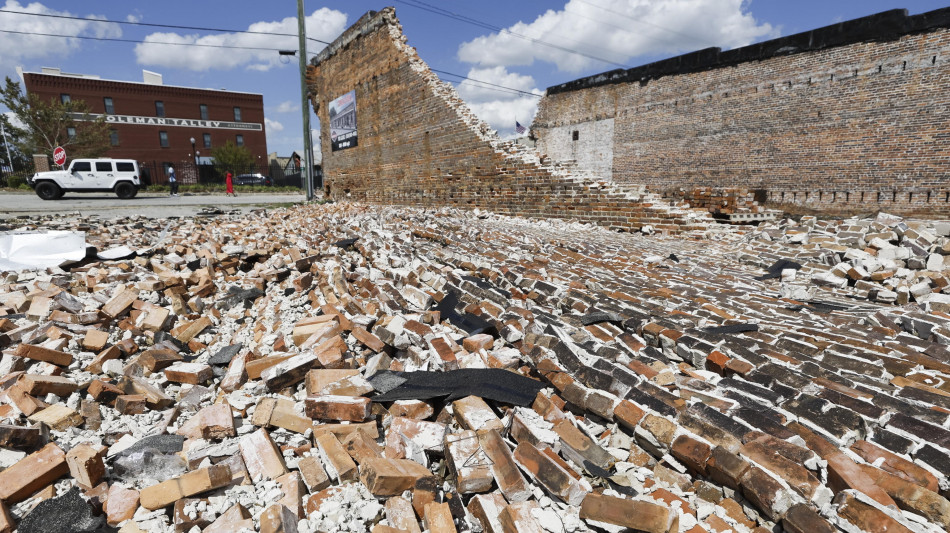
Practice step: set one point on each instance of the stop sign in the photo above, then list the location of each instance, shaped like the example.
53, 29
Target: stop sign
59, 156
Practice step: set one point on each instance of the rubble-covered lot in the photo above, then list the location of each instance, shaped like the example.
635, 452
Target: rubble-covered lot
358, 368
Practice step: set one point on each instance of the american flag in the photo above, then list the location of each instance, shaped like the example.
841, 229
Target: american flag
518, 127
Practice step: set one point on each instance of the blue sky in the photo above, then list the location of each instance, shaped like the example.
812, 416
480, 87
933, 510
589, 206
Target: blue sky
578, 38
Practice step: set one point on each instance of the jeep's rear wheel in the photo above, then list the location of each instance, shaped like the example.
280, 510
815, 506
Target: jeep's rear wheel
125, 190
48, 190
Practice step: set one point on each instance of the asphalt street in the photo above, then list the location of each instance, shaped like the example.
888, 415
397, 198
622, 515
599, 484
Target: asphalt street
151, 205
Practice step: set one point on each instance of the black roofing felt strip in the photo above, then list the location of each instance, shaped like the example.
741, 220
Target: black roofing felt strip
734, 328
775, 271
488, 383
469, 323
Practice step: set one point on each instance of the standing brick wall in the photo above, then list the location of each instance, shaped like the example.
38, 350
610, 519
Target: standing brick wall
419, 145
859, 125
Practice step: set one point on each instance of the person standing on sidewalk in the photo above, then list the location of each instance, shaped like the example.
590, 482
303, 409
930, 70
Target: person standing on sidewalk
172, 182
229, 183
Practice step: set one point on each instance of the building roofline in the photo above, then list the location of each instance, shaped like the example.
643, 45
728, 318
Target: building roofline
81, 77
884, 26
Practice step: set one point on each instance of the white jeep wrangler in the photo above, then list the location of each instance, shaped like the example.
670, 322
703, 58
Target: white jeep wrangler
120, 176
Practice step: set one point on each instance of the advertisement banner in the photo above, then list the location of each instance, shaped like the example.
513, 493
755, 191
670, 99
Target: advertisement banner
343, 122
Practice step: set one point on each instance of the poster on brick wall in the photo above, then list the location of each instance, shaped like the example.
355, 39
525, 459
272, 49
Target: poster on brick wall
343, 122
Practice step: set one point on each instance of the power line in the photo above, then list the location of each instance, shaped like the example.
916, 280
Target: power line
418, 4
171, 26
510, 89
113, 39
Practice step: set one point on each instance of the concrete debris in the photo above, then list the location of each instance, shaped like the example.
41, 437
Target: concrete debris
458, 371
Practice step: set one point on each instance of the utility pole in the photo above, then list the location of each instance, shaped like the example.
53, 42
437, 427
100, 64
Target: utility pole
304, 102
7, 146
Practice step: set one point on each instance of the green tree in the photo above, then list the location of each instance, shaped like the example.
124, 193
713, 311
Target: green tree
43, 125
232, 158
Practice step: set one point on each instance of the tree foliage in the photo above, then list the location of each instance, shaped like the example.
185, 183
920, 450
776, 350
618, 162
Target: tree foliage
231, 158
42, 125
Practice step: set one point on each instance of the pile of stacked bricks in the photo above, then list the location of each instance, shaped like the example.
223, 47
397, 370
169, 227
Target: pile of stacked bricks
235, 376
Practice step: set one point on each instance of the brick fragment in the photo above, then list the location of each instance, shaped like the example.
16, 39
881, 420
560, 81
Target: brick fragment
121, 504
692, 453
38, 385
95, 340
189, 373
480, 341
85, 464
518, 518
504, 469
121, 302
725, 467
473, 413
579, 448
550, 474
389, 477
339, 464
261, 456
58, 417
278, 518
39, 353
189, 484
314, 476
216, 421
469, 464
333, 407
400, 514
634, 514
32, 473
437, 518
280, 412
103, 391
360, 447
486, 508
236, 518
865, 516
416, 409
289, 372
130, 404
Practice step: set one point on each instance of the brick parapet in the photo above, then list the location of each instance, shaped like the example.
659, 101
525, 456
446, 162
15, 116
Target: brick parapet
420, 145
831, 128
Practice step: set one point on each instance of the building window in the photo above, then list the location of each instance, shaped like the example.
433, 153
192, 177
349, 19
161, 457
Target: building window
575, 135
240, 140
204, 111
71, 133
237, 114
64, 98
159, 108
114, 137
110, 109
163, 139
207, 138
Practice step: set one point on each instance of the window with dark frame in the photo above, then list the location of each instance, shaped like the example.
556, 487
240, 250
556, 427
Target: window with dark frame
71, 133
159, 108
237, 114
110, 109
239, 140
114, 137
103, 166
204, 111
163, 139
207, 140
64, 98
575, 135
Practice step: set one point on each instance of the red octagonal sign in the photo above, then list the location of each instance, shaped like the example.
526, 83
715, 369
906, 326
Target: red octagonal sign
59, 155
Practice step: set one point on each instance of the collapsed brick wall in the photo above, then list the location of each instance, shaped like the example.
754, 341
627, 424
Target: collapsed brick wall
860, 124
419, 144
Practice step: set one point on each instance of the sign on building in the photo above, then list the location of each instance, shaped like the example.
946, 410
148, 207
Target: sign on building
343, 122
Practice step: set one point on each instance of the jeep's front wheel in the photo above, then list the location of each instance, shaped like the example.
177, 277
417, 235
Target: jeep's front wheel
125, 190
48, 190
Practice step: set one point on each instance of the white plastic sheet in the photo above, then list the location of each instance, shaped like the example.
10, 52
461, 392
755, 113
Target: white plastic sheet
36, 250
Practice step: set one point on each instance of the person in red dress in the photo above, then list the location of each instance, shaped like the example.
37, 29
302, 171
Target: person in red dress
230, 185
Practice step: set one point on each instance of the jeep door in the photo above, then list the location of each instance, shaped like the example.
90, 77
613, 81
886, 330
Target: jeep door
82, 175
104, 175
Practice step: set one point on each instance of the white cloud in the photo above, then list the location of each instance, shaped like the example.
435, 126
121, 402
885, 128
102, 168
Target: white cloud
324, 24
288, 107
273, 125
617, 31
496, 106
31, 45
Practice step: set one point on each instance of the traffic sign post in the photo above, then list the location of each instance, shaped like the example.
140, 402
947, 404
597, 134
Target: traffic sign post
59, 156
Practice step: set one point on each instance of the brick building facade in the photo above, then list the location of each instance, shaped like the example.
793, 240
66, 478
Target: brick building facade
154, 123
852, 117
415, 142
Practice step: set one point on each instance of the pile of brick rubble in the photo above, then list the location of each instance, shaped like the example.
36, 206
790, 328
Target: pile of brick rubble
236, 376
